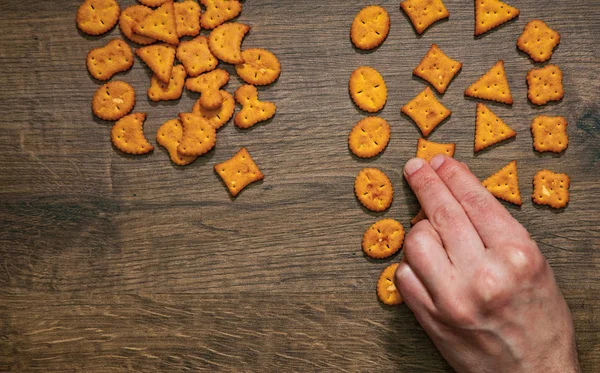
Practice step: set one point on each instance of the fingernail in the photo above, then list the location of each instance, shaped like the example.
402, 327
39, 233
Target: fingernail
413, 166
436, 161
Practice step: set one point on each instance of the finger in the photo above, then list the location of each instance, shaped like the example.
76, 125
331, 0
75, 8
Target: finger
412, 290
443, 211
494, 224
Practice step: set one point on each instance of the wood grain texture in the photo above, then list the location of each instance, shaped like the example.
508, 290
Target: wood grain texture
113, 263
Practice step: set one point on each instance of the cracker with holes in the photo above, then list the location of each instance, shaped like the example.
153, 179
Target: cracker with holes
113, 100
260, 67
538, 40
196, 56
127, 135
490, 129
217, 117
169, 136
130, 17
369, 137
253, 111
187, 18
504, 184
159, 25
96, 17
492, 86
367, 89
208, 85
549, 134
239, 172
437, 69
424, 13
154, 3
386, 288
373, 189
218, 12
550, 188
225, 42
426, 111
383, 239
428, 149
545, 85
490, 14
160, 91
199, 136
115, 57
159, 58
370, 27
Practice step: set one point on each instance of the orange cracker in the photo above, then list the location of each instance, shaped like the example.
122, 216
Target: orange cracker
196, 57
550, 188
253, 111
383, 239
129, 18
417, 218
370, 27
187, 18
504, 184
386, 288
369, 137
490, 129
549, 134
538, 40
238, 172
218, 12
96, 17
545, 85
492, 86
208, 85
373, 189
437, 69
424, 13
367, 89
260, 67
159, 58
127, 135
115, 57
113, 100
159, 25
169, 136
225, 42
490, 14
217, 117
160, 91
426, 111
198, 135
428, 149
154, 3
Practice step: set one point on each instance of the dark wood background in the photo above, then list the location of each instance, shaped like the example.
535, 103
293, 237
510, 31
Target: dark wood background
112, 263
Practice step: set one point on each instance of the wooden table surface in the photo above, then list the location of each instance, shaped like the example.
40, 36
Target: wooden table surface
113, 263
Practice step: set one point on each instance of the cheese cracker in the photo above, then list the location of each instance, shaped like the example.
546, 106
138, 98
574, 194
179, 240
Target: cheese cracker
490, 129
426, 111
217, 117
160, 91
549, 134
490, 14
386, 288
369, 137
198, 135
550, 188
218, 12
538, 40
424, 13
115, 57
492, 86
437, 69
129, 18
96, 17
239, 172
196, 56
545, 85
260, 67
253, 111
159, 25
367, 89
428, 149
128, 136
373, 189
159, 58
208, 85
504, 184
187, 18
169, 136
225, 42
113, 100
370, 27
383, 239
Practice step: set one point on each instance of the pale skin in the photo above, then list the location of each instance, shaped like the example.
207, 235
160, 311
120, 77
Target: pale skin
476, 281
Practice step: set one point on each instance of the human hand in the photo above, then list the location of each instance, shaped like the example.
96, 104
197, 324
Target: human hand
477, 283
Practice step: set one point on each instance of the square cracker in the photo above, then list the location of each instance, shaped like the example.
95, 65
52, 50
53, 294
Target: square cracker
426, 111
550, 188
428, 149
545, 85
196, 56
549, 134
424, 13
238, 172
538, 40
187, 18
437, 69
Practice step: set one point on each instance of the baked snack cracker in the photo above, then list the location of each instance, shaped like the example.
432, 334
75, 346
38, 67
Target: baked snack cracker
127, 135
196, 56
504, 184
239, 172
225, 42
115, 57
169, 136
417, 218
367, 89
490, 129
437, 69
490, 14
159, 58
130, 17
113, 100
538, 40
253, 111
159, 25
217, 117
96, 17
545, 85
369, 137
187, 18
383, 239
260, 67
550, 188
198, 135
160, 91
373, 189
154, 3
370, 27
218, 12
386, 288
428, 149
492, 86
208, 85
549, 134
424, 13
426, 111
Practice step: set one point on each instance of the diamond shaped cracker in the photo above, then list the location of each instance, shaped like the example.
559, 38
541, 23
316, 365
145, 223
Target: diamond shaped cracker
238, 172
437, 69
549, 134
426, 111
538, 40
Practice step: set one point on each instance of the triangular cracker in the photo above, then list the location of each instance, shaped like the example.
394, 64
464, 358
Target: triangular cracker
490, 129
159, 58
160, 25
426, 111
504, 184
493, 86
490, 14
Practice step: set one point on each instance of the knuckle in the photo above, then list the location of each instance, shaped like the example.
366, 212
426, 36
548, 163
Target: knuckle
492, 289
442, 216
477, 202
526, 261
415, 243
422, 181
459, 313
453, 170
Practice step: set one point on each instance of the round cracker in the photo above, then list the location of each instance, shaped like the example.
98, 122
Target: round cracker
374, 189
386, 288
217, 117
96, 17
369, 137
383, 239
368, 89
370, 27
260, 67
130, 17
113, 100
